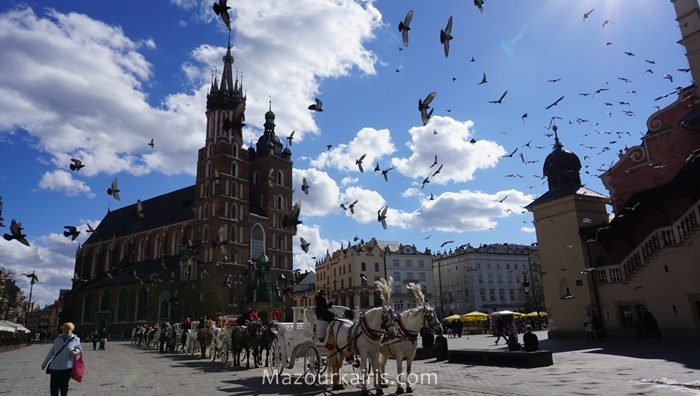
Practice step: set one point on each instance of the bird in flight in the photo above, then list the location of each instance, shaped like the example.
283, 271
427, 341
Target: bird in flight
555, 80
114, 190
446, 36
290, 138
511, 154
381, 216
71, 231
503, 199
586, 15
629, 53
152, 143
435, 161
385, 173
480, 5
76, 164
556, 102
317, 106
358, 162
221, 9
16, 233
89, 230
352, 207
446, 243
291, 220
500, 100
377, 168
605, 22
305, 186
424, 105
523, 117
405, 26
425, 181
437, 170
483, 79
304, 245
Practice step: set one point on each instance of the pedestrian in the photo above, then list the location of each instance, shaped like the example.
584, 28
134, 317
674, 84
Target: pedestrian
460, 327
513, 344
598, 327
59, 361
93, 339
588, 326
500, 330
530, 340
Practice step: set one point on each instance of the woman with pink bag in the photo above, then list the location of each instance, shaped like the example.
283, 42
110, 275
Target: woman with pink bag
59, 360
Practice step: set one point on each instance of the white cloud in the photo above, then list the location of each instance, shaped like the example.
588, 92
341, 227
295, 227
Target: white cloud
372, 142
60, 180
323, 198
412, 192
527, 229
461, 159
368, 202
317, 247
347, 180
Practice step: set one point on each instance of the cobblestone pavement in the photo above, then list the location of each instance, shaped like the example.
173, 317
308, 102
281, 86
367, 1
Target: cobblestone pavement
610, 367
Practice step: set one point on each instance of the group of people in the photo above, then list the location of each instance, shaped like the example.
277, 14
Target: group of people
101, 338
509, 333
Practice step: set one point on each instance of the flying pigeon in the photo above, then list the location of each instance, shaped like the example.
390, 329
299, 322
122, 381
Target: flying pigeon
291, 220
76, 165
114, 190
381, 215
317, 106
304, 245
480, 5
16, 233
352, 207
72, 232
305, 187
404, 27
152, 143
446, 36
221, 9
358, 162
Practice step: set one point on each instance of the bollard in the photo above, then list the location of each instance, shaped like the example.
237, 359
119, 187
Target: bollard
441, 345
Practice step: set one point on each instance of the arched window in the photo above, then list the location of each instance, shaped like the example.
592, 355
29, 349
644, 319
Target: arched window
280, 178
205, 234
234, 169
123, 251
164, 305
201, 192
207, 170
206, 189
206, 211
104, 301
175, 243
257, 242
256, 177
141, 304
156, 247
121, 306
279, 202
209, 151
108, 256
233, 190
233, 235
234, 151
93, 265
141, 250
87, 308
234, 211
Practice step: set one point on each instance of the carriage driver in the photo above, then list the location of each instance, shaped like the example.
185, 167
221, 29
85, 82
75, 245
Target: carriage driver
323, 306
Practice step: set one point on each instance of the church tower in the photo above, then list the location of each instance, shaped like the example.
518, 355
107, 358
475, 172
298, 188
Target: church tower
561, 215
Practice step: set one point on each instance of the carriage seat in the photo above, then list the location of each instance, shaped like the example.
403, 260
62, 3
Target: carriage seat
321, 326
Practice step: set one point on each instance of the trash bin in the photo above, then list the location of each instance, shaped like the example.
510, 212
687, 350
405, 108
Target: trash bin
441, 348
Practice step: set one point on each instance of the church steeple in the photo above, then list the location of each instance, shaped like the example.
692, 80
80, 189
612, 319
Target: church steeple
561, 167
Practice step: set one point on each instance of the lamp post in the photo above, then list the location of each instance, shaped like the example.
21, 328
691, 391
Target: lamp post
34, 279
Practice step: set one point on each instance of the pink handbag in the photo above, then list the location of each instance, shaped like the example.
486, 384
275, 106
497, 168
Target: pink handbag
78, 368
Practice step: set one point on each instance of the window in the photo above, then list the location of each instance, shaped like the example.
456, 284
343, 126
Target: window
123, 250
142, 250
205, 234
104, 302
233, 190
93, 266
87, 308
395, 263
421, 264
500, 278
502, 294
488, 265
510, 278
234, 169
482, 294
234, 211
121, 306
492, 294
516, 266
156, 247
490, 278
498, 265
256, 177
421, 276
280, 178
397, 276
364, 266
257, 242
409, 275
507, 266
234, 151
409, 263
141, 304
108, 256
481, 278
207, 172
376, 267
511, 292
175, 243
206, 211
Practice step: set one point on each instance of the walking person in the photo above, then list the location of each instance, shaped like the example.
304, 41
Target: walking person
59, 360
93, 339
588, 327
500, 330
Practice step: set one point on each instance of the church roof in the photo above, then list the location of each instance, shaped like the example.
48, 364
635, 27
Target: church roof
562, 192
163, 210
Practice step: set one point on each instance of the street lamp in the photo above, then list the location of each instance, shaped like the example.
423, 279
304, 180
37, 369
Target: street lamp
34, 279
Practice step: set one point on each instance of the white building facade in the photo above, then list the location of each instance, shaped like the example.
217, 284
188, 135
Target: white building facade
405, 264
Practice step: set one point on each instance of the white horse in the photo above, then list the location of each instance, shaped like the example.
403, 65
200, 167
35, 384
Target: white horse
408, 326
363, 338
191, 344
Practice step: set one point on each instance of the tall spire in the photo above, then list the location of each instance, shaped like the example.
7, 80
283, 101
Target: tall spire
227, 75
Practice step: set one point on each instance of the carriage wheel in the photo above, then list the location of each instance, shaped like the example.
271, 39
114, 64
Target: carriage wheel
214, 353
312, 363
276, 361
324, 365
224, 354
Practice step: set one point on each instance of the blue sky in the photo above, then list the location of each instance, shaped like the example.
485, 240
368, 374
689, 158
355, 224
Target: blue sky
98, 80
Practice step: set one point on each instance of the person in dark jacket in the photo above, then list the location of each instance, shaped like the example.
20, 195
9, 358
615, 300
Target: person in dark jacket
530, 340
323, 307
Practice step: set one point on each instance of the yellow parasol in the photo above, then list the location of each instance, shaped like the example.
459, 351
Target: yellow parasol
533, 314
474, 316
452, 317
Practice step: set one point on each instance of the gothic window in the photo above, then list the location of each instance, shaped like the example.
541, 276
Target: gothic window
201, 192
206, 211
141, 304
234, 169
280, 178
233, 190
257, 242
256, 177
87, 309
234, 151
206, 189
121, 306
122, 251
205, 234
93, 265
156, 247
164, 305
209, 150
234, 211
141, 250
104, 301
279, 202
207, 172
108, 256
175, 243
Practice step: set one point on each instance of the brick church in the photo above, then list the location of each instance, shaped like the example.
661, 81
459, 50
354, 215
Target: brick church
216, 247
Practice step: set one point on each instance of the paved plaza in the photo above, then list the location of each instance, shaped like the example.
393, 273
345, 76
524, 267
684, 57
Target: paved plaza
609, 367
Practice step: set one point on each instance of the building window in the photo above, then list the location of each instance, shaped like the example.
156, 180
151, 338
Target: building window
395, 263
104, 301
397, 276
156, 247
481, 278
206, 211
257, 242
492, 294
498, 265
121, 306
421, 264
363, 266
516, 266
87, 309
409, 275
280, 178
205, 234
234, 211
511, 293
141, 303
421, 276
108, 256
175, 244
123, 250
507, 266
207, 172
482, 294
234, 151
234, 169
142, 250
510, 278
256, 177
409, 263
502, 294
500, 278
93, 265
376, 267
490, 278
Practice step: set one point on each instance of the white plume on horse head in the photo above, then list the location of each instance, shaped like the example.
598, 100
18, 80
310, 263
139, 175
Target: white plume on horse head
384, 287
417, 291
